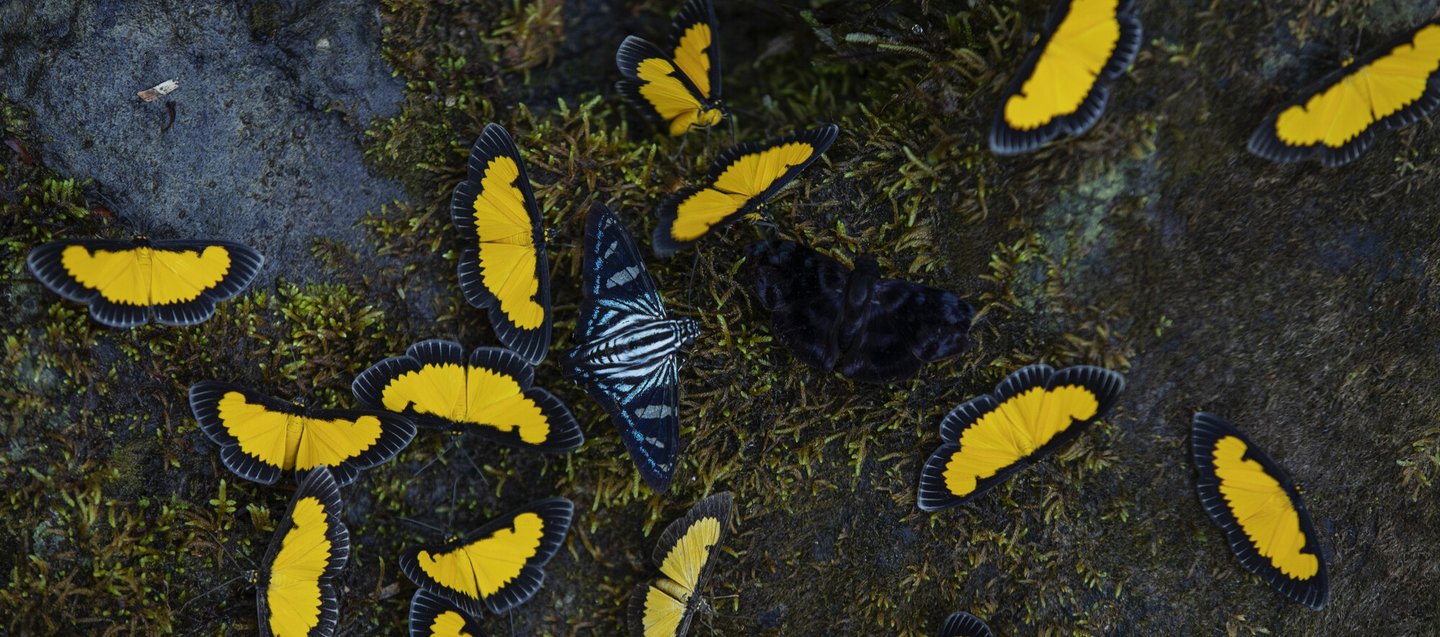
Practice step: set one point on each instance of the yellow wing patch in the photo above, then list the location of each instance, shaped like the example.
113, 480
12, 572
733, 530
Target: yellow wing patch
503, 267
490, 394
1263, 508
310, 547
1252, 500
1064, 83
260, 437
685, 554
1335, 119
503, 237
146, 276
1012, 432
741, 180
498, 565
683, 88
1030, 414
481, 568
432, 616
126, 283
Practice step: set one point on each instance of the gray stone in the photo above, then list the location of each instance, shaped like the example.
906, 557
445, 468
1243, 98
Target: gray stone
259, 144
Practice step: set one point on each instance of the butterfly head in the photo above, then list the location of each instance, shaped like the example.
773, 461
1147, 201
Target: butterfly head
867, 272
688, 330
710, 115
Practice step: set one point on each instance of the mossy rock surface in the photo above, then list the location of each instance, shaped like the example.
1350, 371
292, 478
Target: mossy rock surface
1296, 301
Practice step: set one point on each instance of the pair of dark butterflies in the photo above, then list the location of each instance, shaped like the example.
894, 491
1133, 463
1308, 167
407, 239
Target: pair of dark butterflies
868, 328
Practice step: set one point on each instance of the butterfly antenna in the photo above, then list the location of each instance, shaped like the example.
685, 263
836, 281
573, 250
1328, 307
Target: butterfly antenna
690, 287
425, 526
454, 442
180, 611
680, 152
738, 111
473, 465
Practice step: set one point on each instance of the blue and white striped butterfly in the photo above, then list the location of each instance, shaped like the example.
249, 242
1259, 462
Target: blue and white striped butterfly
628, 352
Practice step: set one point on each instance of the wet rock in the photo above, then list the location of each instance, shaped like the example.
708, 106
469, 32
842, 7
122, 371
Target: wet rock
261, 141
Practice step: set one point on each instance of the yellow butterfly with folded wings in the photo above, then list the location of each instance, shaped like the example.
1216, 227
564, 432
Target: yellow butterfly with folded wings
682, 87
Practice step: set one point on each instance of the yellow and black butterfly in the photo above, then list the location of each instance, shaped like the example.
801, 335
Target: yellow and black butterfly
1253, 500
432, 616
743, 178
260, 436
685, 554
293, 591
503, 266
1336, 119
499, 565
963, 624
684, 88
1065, 81
491, 394
1032, 412
127, 283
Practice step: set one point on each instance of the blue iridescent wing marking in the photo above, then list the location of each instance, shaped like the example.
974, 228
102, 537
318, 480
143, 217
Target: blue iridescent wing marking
627, 353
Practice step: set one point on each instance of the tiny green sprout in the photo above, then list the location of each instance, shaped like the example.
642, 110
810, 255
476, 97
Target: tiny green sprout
224, 507
1163, 324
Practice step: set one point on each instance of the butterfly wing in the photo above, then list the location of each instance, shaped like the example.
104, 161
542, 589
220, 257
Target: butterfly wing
617, 287
685, 554
503, 267
1064, 83
804, 291
1030, 414
963, 624
432, 616
260, 436
491, 394
126, 282
741, 179
294, 596
1336, 119
497, 566
646, 410
1254, 502
697, 52
904, 326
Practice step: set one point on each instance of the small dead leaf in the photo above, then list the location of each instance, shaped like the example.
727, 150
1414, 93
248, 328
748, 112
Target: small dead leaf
155, 92
20, 149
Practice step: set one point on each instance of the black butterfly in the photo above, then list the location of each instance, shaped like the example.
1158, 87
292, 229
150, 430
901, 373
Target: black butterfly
628, 349
869, 329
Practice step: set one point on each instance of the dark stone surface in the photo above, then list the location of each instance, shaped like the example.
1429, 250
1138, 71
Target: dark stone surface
264, 146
